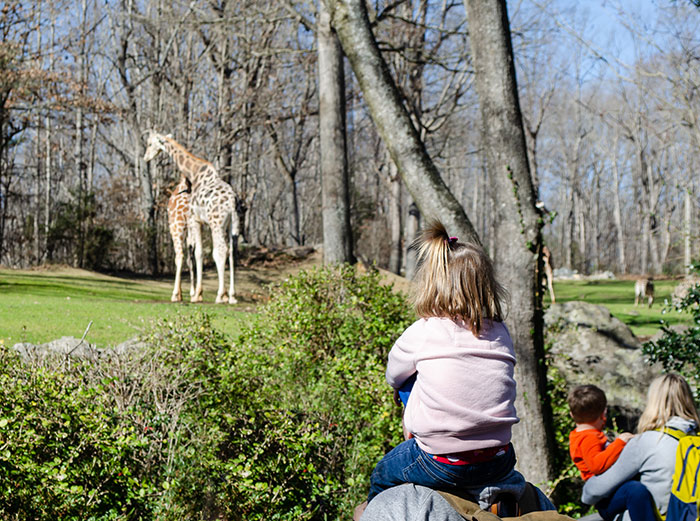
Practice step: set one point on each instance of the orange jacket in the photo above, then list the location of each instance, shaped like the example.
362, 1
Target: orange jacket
589, 451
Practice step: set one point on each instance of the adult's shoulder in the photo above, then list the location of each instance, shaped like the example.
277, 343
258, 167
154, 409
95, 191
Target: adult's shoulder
409, 501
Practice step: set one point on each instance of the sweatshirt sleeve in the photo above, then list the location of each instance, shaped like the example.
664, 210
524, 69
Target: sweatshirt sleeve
598, 461
624, 469
402, 357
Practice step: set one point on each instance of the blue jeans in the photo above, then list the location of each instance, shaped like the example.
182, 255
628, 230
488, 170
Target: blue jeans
631, 496
408, 463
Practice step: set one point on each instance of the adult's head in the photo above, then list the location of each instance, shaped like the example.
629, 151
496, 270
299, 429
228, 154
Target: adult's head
669, 395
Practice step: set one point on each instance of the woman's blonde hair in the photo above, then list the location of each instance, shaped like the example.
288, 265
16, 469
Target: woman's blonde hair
669, 395
455, 280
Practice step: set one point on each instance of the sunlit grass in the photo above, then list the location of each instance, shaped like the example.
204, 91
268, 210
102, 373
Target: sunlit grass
618, 297
38, 306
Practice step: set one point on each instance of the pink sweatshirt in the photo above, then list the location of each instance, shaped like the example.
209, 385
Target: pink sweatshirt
463, 397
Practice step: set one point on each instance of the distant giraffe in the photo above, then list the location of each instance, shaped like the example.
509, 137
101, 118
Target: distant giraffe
212, 202
549, 273
178, 213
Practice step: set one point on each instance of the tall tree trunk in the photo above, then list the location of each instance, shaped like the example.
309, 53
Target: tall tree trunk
412, 227
394, 215
350, 20
517, 258
617, 212
37, 150
47, 187
142, 172
582, 239
335, 191
687, 230
79, 160
37, 193
47, 126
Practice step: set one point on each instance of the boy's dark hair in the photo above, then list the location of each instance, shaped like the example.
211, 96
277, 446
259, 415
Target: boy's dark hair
586, 403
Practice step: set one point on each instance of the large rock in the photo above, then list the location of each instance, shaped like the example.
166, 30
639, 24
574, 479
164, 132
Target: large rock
590, 346
68, 346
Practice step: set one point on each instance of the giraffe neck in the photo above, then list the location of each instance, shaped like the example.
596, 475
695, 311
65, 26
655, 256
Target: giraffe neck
188, 164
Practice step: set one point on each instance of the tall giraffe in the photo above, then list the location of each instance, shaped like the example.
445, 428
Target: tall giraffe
178, 213
212, 202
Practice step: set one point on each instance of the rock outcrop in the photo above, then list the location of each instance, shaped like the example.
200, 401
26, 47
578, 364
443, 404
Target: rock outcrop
73, 347
590, 346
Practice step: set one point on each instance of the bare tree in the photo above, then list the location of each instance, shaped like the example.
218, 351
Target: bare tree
518, 256
350, 19
337, 234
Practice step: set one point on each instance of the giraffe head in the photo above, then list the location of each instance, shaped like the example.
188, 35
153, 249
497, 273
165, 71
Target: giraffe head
154, 144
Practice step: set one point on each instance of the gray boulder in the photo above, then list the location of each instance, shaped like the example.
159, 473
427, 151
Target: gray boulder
590, 346
68, 346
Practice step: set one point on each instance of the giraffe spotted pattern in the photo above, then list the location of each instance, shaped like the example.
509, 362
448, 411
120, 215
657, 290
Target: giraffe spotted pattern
212, 202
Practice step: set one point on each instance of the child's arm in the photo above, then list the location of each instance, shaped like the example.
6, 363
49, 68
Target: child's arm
599, 459
624, 469
402, 357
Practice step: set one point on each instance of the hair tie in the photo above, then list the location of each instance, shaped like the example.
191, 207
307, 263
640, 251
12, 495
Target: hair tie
451, 240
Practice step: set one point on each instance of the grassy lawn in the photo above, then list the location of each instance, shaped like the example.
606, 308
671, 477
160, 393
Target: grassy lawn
39, 306
618, 297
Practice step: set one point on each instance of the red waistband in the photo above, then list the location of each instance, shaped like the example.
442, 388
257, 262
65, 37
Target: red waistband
472, 456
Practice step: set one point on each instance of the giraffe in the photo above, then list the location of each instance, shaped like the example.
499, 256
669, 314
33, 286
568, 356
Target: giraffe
212, 202
549, 273
178, 213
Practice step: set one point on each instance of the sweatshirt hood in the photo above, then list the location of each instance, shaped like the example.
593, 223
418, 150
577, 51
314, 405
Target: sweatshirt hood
676, 422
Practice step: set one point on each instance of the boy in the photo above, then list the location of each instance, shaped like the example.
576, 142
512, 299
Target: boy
593, 455
589, 447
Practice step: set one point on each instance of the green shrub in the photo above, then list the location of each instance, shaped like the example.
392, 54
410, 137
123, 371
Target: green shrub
680, 350
285, 422
321, 343
102, 438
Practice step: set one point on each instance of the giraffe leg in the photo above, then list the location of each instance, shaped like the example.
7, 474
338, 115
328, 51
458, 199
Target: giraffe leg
177, 295
550, 285
233, 249
220, 253
197, 239
177, 244
191, 257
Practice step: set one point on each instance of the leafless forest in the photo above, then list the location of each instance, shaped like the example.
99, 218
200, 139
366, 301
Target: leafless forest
613, 138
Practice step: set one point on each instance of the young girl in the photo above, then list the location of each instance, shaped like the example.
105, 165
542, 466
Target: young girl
459, 358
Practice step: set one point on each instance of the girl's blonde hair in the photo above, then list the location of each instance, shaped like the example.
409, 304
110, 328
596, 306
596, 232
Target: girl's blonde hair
669, 395
455, 280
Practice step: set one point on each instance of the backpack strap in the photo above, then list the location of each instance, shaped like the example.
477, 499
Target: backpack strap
674, 433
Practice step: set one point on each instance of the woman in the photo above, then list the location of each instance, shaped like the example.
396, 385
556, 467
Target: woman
670, 413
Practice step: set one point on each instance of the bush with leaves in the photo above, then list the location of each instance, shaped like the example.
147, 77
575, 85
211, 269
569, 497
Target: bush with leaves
680, 350
283, 423
103, 438
319, 347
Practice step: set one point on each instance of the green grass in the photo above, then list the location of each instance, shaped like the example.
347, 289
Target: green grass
618, 297
41, 306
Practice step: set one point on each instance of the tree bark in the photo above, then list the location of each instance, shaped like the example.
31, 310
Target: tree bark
687, 231
518, 226
350, 20
335, 191
412, 227
617, 209
394, 216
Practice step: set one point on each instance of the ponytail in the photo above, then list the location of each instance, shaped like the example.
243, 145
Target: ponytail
455, 280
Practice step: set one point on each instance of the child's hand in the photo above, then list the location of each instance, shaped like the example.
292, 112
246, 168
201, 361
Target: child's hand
626, 436
397, 398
